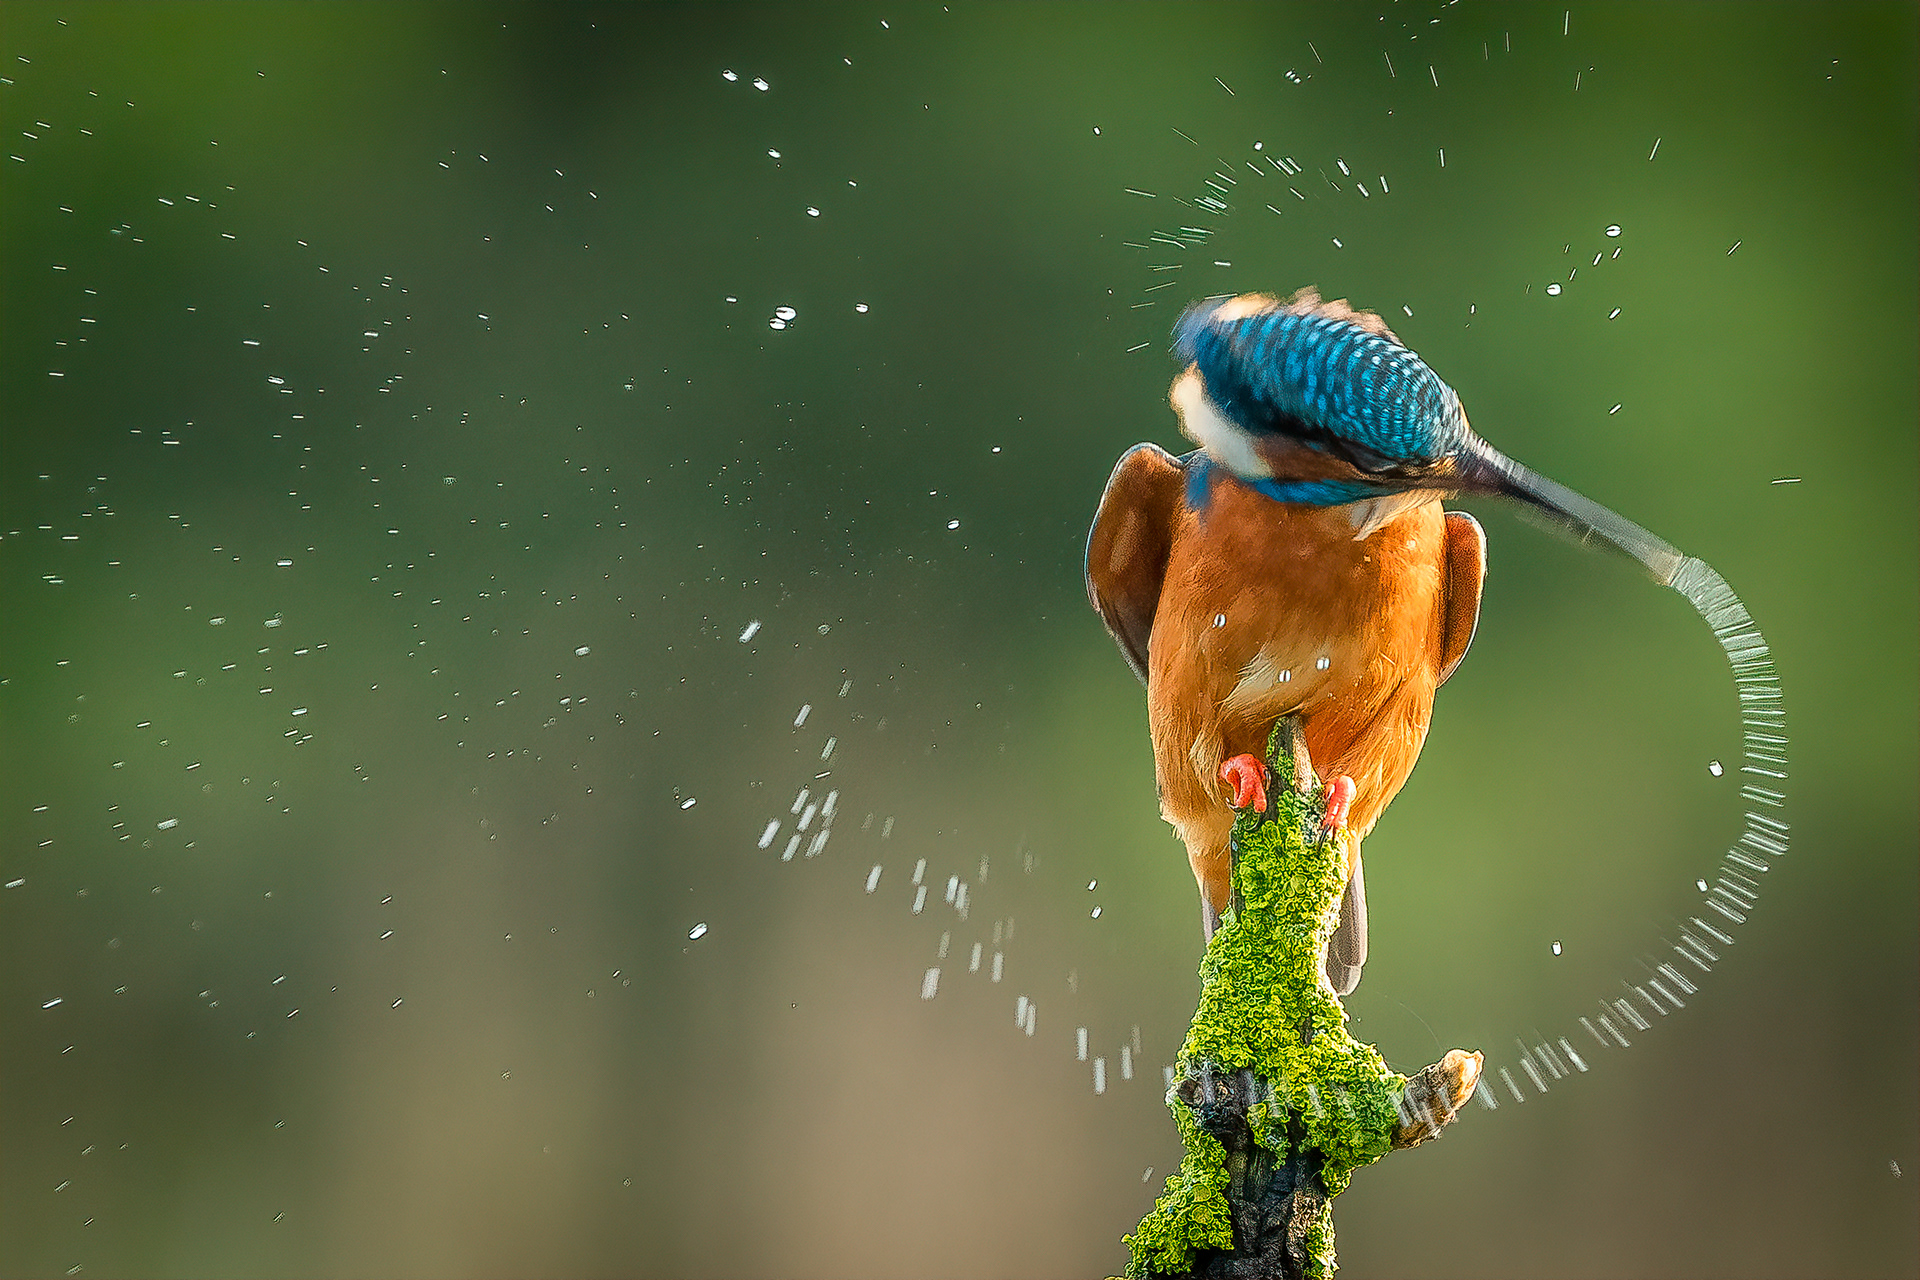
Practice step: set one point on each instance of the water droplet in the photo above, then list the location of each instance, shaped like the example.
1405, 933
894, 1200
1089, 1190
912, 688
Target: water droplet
776, 323
1553, 290
1614, 230
953, 524
860, 307
729, 75
785, 313
773, 153
1096, 913
1322, 663
812, 212
688, 803
1701, 885
752, 629
1286, 676
1556, 947
1219, 619
760, 84
698, 931
582, 651
1713, 767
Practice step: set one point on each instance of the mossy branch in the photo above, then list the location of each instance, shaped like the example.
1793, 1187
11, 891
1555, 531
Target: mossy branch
1276, 1103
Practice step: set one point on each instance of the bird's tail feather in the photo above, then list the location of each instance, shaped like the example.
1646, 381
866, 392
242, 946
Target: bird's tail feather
1486, 469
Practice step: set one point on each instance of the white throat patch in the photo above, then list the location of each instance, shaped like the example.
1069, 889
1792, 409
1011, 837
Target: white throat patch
1201, 423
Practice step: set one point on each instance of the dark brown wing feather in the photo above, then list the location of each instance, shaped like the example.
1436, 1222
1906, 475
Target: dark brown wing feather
1128, 546
1463, 574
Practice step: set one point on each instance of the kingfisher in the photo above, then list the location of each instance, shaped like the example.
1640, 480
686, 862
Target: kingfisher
1299, 562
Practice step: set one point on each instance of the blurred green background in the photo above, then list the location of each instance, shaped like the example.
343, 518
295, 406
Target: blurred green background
398, 450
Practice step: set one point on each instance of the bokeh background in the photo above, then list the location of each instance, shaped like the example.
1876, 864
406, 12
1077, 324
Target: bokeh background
428, 571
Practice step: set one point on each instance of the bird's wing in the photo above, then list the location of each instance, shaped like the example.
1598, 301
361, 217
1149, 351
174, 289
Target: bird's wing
1465, 571
1128, 546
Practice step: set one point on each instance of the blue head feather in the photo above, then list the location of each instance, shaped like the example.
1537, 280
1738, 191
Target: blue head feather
1324, 380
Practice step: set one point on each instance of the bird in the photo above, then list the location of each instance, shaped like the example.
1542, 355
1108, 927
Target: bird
1299, 562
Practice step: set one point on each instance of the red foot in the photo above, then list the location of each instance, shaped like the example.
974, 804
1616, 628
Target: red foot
1340, 791
1248, 778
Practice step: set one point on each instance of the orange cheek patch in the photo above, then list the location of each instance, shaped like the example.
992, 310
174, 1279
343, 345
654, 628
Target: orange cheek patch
1291, 460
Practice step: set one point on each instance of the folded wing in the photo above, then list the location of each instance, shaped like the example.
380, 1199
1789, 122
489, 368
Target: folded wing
1128, 546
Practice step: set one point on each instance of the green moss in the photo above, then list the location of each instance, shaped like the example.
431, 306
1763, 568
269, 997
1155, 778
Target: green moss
1192, 1214
1263, 991
1320, 1262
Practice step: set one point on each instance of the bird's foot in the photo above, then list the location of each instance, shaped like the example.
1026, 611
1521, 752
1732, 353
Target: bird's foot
1340, 791
1248, 778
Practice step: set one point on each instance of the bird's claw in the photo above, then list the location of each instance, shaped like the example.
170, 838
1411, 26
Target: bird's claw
1248, 778
1340, 789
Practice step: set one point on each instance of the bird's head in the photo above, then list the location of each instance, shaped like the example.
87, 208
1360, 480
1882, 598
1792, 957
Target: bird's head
1311, 401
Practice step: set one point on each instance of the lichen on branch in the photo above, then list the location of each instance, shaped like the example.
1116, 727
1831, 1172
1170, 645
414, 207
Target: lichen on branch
1266, 1008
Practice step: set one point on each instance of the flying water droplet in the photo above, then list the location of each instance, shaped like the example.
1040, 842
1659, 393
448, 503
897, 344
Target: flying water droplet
1714, 768
1556, 947
1614, 230
698, 931
1553, 290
